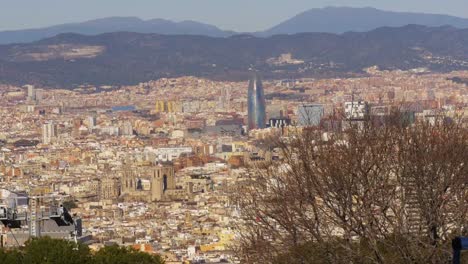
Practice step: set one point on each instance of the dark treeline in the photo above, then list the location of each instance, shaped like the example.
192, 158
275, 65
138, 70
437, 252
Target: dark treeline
46, 250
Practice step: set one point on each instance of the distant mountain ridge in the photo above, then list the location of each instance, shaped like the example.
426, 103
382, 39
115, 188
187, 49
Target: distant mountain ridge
344, 19
114, 24
125, 58
327, 20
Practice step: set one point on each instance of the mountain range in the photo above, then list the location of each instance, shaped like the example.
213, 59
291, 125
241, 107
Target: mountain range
122, 58
114, 24
327, 20
343, 19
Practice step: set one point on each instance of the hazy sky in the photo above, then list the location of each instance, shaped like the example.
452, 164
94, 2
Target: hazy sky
239, 15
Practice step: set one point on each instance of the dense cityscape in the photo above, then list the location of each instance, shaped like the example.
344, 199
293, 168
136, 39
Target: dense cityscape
246, 132
152, 165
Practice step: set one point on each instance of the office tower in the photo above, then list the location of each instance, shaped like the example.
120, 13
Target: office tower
39, 95
170, 106
256, 103
163, 106
224, 102
31, 92
77, 122
49, 132
92, 122
160, 106
109, 188
127, 129
309, 114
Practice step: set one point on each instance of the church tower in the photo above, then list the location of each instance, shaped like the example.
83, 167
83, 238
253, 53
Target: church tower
162, 179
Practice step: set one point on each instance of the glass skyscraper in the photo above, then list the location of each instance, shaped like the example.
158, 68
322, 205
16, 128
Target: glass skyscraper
256, 103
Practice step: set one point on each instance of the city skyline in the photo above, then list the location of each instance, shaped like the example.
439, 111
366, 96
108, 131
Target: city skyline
342, 130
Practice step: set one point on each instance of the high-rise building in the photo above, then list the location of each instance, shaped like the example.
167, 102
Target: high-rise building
164, 106
126, 129
77, 122
224, 102
49, 132
39, 95
309, 114
160, 106
109, 188
256, 103
31, 92
92, 121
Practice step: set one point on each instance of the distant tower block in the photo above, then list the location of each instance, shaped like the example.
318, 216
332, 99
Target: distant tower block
163, 106
77, 122
256, 103
31, 92
224, 102
92, 121
227, 98
49, 132
159, 107
188, 219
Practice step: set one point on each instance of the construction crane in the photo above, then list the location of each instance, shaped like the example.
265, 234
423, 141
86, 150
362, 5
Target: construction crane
12, 217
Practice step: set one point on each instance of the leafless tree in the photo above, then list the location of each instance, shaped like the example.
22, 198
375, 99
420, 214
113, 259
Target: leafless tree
392, 193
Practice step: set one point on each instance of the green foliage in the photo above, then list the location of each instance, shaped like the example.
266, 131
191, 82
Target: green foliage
70, 204
122, 255
46, 250
10, 257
